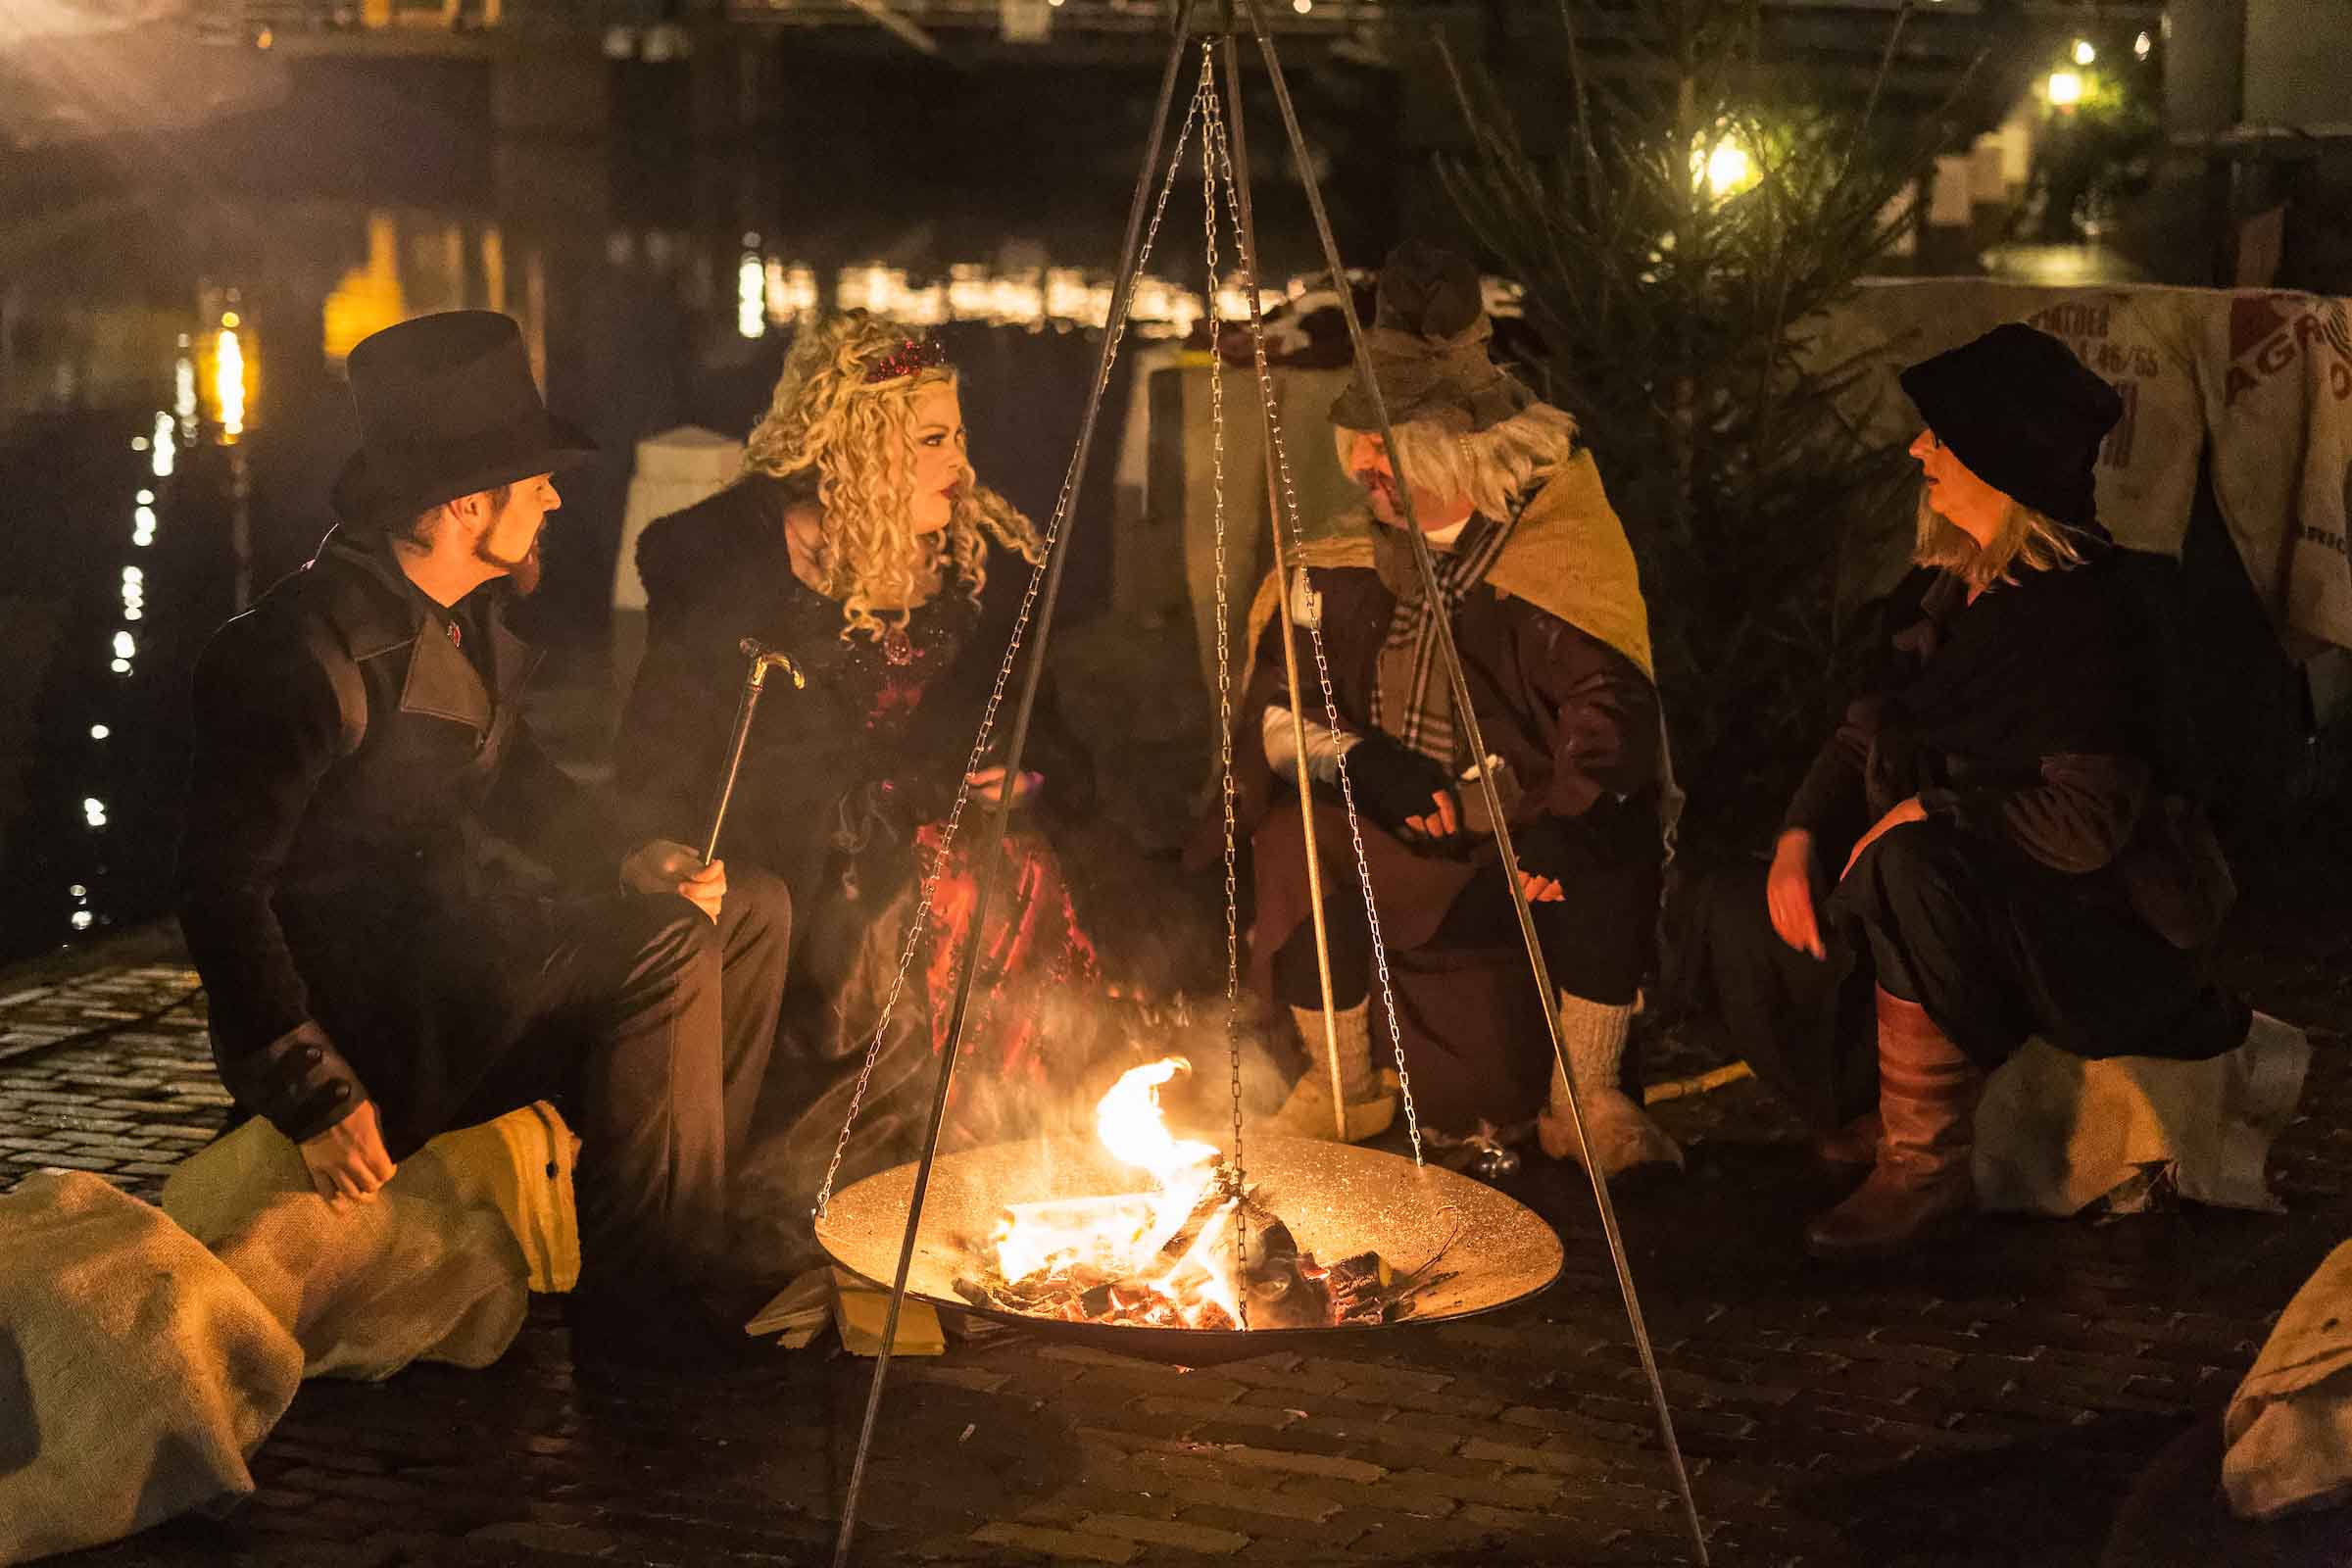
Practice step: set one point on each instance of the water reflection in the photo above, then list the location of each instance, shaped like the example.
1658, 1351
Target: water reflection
114, 756
418, 262
215, 356
228, 378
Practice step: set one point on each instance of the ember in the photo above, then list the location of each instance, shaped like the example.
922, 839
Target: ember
1179, 1257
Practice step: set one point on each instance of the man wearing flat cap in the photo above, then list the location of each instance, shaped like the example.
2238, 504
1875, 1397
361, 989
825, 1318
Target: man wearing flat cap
1538, 584
374, 978
1987, 848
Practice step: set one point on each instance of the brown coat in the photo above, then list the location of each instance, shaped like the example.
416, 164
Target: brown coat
1575, 722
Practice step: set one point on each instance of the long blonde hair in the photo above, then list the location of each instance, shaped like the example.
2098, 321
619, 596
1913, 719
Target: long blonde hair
2027, 541
827, 423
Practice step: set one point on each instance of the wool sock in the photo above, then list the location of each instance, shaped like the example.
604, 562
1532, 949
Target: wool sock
1353, 1025
1592, 1033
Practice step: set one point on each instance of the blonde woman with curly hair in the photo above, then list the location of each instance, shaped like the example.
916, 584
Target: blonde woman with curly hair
859, 541
877, 535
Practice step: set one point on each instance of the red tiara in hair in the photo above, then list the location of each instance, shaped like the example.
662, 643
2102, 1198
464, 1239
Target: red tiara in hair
912, 356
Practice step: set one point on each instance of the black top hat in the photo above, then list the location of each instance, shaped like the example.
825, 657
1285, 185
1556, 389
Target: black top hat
447, 407
2024, 414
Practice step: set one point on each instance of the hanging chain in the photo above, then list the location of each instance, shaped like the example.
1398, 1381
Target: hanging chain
1213, 141
1207, 97
920, 922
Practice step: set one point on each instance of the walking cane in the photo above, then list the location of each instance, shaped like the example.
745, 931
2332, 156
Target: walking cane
755, 681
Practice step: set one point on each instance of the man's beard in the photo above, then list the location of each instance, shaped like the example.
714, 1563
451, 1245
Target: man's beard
524, 571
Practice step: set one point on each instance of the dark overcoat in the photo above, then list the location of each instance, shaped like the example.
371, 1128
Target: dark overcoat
2034, 725
353, 764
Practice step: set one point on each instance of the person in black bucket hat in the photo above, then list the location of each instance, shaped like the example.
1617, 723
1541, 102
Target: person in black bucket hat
1988, 849
375, 978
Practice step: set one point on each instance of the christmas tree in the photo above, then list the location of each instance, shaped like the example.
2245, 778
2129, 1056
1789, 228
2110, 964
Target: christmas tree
1700, 203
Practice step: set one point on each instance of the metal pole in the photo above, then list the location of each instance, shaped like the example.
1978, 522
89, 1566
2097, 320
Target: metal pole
1245, 221
1473, 732
1306, 817
992, 859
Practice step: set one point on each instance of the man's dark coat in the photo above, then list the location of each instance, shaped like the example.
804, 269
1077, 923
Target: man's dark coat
351, 761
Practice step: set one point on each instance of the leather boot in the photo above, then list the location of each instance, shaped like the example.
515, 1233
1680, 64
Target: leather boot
1852, 1146
1928, 1103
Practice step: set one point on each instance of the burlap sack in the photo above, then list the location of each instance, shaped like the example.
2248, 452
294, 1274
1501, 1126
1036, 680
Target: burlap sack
137, 1373
440, 1266
2289, 1428
2056, 1132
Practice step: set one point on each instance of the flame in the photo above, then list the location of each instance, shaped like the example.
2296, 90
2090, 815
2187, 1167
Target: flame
1124, 1236
1128, 1120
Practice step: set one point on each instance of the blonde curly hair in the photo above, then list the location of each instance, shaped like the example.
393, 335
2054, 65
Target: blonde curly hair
844, 440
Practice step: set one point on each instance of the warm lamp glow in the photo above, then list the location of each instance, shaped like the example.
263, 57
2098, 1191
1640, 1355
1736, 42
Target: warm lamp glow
229, 381
2065, 87
1728, 169
2085, 54
750, 296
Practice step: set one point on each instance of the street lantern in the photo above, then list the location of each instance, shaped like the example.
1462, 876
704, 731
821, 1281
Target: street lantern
1727, 169
2065, 88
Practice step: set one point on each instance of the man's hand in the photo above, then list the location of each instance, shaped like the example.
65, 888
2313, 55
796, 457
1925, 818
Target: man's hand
988, 786
1402, 790
667, 866
1443, 822
1909, 811
1548, 857
348, 1160
1789, 893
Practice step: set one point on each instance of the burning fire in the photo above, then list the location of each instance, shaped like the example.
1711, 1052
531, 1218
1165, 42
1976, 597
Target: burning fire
1160, 1254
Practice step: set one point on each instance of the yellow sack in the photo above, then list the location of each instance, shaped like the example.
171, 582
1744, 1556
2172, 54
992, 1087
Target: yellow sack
438, 1265
522, 1165
860, 1309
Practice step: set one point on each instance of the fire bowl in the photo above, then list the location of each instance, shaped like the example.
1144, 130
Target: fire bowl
1338, 1201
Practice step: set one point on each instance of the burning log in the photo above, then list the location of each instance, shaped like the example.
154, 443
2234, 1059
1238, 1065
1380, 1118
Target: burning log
1286, 1286
1188, 1255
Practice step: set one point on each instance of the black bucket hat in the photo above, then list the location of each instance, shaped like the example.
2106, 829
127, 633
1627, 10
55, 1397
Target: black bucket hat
447, 407
2024, 414
1428, 348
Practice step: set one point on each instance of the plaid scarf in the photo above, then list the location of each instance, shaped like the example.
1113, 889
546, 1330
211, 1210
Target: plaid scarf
1412, 701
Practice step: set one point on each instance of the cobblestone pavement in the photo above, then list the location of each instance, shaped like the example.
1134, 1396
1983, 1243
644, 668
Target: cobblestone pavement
1992, 1403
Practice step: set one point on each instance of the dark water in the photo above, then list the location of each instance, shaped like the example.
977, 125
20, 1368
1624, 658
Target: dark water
172, 317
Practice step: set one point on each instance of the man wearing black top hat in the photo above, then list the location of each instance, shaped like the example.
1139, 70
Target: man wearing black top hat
1989, 848
373, 980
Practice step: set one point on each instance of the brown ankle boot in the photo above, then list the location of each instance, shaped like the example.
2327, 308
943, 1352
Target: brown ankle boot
1852, 1146
1928, 1103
